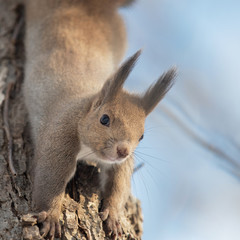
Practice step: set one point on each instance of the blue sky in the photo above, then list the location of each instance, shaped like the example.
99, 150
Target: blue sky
189, 187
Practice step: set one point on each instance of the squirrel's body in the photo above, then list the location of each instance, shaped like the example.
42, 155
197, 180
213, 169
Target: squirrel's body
68, 39
77, 107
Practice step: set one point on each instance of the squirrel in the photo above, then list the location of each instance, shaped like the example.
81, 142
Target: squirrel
77, 107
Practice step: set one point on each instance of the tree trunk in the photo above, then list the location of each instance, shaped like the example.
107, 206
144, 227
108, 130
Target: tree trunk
80, 218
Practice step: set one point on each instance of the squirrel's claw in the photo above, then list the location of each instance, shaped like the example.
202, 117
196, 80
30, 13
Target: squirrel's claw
45, 228
57, 230
104, 214
111, 223
50, 225
41, 217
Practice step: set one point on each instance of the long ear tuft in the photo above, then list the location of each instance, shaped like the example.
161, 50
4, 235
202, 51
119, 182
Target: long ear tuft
115, 83
157, 91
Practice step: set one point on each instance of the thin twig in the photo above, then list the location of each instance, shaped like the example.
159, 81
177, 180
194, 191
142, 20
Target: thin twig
189, 130
7, 129
139, 166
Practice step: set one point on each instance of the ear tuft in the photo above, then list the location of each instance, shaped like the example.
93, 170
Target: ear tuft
122, 73
157, 91
115, 83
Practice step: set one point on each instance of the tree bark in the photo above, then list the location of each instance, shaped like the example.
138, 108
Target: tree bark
80, 219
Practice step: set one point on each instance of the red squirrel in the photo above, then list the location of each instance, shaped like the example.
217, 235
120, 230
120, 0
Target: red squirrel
77, 107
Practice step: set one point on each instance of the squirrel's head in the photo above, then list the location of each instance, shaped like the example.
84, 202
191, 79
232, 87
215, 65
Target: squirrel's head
114, 125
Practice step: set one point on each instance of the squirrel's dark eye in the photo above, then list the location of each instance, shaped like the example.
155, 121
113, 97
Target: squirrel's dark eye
105, 120
141, 138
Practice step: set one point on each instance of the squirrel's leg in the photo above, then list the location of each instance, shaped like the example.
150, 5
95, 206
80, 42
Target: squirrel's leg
116, 191
51, 176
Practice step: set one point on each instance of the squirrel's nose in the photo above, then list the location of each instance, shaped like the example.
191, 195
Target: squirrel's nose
122, 150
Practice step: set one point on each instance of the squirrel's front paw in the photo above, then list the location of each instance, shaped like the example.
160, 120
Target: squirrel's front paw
111, 223
50, 224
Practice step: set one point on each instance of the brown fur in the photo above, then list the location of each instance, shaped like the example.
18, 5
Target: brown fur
157, 91
71, 80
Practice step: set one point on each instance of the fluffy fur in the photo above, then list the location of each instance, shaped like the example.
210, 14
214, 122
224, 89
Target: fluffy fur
73, 49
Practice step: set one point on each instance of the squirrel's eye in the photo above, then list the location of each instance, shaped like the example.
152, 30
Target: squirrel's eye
105, 120
141, 138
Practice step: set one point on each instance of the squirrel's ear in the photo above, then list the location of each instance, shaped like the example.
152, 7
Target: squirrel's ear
158, 90
112, 86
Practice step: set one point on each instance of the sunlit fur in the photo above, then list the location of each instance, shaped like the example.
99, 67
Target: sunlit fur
157, 91
72, 78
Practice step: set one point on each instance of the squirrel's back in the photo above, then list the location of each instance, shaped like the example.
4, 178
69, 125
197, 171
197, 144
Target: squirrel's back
72, 47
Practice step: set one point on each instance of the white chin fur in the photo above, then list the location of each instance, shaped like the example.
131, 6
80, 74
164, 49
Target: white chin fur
87, 154
109, 161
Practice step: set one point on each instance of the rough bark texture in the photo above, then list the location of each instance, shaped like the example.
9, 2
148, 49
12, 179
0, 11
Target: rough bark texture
80, 218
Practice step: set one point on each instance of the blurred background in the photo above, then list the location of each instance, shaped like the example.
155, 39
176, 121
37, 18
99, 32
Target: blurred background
189, 185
